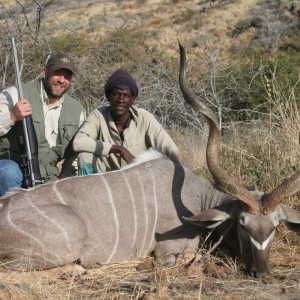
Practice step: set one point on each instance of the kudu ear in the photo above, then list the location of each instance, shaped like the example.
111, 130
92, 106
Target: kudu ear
290, 217
213, 217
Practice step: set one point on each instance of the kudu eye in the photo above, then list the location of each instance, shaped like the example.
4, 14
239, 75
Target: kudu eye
242, 227
242, 220
242, 223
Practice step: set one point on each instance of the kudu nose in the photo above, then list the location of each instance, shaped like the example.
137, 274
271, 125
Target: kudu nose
258, 274
261, 274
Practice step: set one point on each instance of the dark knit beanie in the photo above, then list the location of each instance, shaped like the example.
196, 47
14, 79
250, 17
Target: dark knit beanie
122, 80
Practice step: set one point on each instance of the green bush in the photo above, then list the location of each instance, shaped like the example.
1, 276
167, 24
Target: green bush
244, 25
242, 85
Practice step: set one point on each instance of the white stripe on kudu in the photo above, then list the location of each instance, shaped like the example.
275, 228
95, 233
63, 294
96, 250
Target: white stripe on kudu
23, 231
57, 193
54, 222
132, 200
115, 218
153, 197
260, 246
145, 211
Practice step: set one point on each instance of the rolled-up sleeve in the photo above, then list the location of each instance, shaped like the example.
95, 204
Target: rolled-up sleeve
8, 98
87, 138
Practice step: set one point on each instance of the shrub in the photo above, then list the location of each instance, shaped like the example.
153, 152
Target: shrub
244, 25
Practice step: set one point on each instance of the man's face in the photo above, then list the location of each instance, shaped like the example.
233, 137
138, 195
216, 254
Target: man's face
120, 101
56, 83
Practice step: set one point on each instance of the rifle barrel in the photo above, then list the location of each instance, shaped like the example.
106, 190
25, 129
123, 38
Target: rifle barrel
27, 122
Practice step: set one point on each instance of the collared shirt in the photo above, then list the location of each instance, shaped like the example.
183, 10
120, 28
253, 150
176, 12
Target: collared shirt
99, 133
51, 116
8, 99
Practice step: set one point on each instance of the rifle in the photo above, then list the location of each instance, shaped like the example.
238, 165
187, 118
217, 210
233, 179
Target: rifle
30, 162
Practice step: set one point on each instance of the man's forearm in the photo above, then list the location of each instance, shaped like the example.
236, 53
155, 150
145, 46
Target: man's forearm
83, 143
123, 152
5, 123
8, 99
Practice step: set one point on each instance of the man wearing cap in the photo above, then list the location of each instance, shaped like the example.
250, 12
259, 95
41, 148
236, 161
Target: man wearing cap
56, 117
113, 135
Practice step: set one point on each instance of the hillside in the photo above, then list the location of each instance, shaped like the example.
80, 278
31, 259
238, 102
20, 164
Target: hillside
148, 29
203, 24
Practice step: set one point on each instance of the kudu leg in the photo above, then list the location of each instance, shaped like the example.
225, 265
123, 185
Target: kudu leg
166, 252
40, 237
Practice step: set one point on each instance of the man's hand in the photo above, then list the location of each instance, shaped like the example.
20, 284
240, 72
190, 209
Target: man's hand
124, 153
21, 110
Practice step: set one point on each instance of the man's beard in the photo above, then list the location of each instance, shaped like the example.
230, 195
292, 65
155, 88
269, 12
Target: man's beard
52, 93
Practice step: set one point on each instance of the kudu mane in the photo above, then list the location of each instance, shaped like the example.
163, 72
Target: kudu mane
148, 155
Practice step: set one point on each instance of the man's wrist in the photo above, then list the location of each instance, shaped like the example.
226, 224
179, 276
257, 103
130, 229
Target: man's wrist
12, 118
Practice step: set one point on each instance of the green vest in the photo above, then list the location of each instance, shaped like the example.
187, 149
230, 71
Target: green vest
68, 125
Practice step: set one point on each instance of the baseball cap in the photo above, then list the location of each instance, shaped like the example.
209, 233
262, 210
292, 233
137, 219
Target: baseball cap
59, 60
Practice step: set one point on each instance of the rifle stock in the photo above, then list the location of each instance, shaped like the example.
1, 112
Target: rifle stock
32, 175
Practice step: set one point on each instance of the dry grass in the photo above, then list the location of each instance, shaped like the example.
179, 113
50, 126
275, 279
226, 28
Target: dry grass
216, 278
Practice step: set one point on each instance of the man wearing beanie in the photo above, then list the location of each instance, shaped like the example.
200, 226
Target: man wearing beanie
56, 118
113, 135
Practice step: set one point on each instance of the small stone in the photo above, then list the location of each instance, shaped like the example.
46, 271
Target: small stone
215, 270
145, 266
194, 271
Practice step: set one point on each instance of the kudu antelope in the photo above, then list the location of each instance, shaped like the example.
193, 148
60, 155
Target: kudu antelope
150, 207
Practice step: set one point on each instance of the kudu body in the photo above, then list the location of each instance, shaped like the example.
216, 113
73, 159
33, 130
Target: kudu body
105, 218
149, 207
